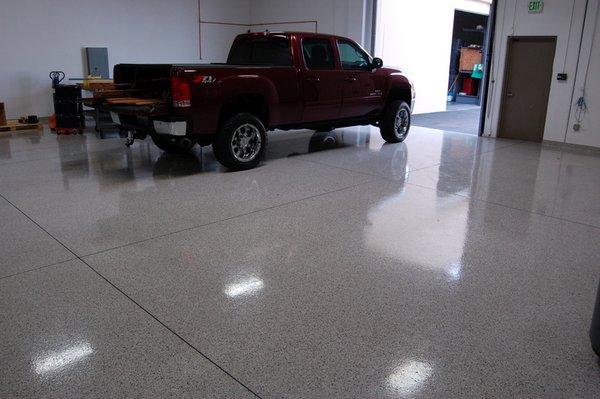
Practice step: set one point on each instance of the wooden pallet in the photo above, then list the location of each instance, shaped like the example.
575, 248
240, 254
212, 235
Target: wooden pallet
133, 101
14, 125
98, 84
112, 93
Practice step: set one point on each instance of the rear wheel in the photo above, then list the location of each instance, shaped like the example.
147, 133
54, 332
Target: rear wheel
395, 122
241, 142
173, 145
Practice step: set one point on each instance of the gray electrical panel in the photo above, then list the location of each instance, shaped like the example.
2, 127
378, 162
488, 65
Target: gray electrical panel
97, 61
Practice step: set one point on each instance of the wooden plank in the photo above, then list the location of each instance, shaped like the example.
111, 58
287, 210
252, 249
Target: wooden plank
112, 93
116, 100
95, 84
123, 100
133, 101
151, 102
30, 132
14, 125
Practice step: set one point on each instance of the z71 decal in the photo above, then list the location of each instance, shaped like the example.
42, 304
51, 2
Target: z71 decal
204, 79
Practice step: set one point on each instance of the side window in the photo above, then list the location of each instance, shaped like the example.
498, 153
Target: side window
318, 54
352, 57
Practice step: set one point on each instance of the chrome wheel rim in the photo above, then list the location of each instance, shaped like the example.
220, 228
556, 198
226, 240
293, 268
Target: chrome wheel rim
246, 143
401, 123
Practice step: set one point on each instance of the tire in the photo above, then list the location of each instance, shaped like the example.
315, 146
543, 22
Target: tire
395, 122
241, 142
173, 145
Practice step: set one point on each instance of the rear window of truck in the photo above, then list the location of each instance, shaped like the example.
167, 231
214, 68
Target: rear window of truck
271, 50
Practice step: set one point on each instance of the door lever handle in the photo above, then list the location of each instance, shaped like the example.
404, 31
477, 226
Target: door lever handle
350, 79
510, 94
313, 79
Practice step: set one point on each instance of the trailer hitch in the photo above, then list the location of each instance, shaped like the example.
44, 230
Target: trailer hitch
130, 138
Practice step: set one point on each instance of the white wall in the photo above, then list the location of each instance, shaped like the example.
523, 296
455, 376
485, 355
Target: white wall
38, 36
43, 35
221, 22
416, 36
338, 17
565, 20
589, 134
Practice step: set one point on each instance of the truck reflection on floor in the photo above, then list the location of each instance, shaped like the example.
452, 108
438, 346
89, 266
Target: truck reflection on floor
321, 141
175, 165
357, 143
202, 160
318, 141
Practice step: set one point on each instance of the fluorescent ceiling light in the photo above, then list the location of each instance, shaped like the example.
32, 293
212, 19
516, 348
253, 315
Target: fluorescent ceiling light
410, 376
244, 287
58, 360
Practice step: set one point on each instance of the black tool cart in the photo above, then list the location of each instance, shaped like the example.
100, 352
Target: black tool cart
68, 107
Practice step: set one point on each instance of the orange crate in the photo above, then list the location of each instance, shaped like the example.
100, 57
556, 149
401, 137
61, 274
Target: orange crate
469, 57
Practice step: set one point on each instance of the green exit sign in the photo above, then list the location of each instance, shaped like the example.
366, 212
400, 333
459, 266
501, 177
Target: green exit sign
535, 7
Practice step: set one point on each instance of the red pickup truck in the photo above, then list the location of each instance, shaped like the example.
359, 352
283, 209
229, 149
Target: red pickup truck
288, 80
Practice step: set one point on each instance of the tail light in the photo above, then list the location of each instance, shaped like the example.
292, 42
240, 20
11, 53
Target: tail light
180, 92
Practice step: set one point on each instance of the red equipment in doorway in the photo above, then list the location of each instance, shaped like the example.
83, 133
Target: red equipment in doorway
469, 86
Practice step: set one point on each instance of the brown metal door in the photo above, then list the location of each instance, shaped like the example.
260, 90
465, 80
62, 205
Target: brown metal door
526, 87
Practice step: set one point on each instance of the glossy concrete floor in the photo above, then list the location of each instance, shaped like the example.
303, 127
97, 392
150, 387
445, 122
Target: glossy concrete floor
446, 266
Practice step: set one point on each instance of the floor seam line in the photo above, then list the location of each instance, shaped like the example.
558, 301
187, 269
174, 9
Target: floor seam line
299, 158
133, 301
172, 331
38, 225
39, 268
499, 148
503, 205
224, 220
531, 212
363, 173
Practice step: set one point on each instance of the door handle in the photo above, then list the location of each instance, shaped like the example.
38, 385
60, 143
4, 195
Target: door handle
510, 94
313, 79
350, 79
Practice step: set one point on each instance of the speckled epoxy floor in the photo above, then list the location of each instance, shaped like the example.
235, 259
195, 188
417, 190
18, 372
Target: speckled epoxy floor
342, 267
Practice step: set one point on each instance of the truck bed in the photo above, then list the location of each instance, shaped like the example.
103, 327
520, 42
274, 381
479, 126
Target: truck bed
145, 89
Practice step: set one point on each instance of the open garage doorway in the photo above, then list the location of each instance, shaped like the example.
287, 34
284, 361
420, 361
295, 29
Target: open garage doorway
443, 46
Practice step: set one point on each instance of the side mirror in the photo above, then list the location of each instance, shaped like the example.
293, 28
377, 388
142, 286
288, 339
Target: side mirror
377, 63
